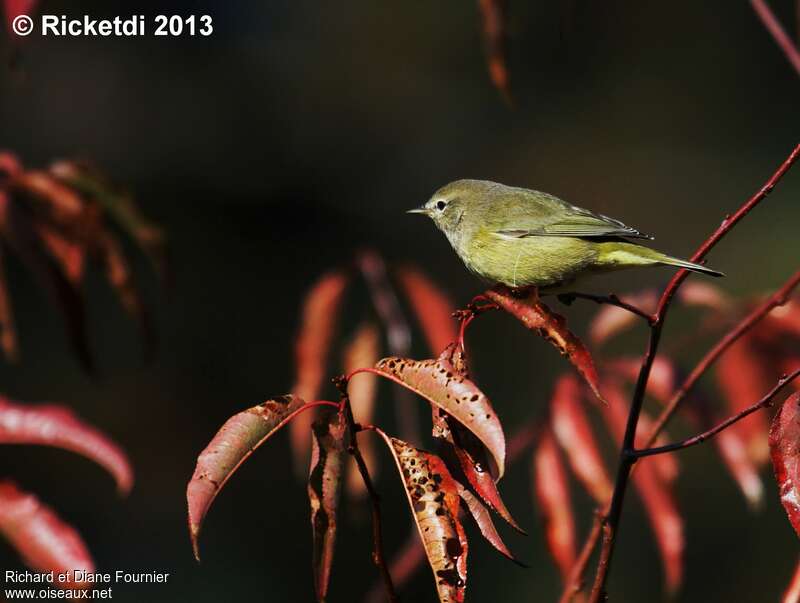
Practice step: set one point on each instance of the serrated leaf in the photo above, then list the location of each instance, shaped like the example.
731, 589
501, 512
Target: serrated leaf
483, 519
57, 426
575, 436
551, 489
236, 440
431, 307
439, 382
324, 487
784, 443
537, 317
45, 542
312, 348
433, 497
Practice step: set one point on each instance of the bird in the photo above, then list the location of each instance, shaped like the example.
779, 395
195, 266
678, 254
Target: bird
523, 238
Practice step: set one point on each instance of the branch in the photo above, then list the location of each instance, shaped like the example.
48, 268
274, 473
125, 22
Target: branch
765, 402
612, 300
777, 32
626, 460
779, 298
575, 582
377, 530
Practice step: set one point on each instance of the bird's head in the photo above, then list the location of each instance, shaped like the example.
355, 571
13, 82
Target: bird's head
450, 203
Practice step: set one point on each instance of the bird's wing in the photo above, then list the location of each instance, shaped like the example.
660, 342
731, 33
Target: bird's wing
575, 222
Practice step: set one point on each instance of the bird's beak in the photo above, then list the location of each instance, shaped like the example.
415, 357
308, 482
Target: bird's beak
417, 210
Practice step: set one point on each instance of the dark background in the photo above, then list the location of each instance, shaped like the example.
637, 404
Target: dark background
299, 132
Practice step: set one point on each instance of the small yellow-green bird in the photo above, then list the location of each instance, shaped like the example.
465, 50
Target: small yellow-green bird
522, 238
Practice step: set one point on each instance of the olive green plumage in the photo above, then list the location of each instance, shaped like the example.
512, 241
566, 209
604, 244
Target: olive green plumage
520, 237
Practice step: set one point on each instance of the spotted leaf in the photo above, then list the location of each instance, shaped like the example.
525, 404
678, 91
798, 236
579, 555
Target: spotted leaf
230, 447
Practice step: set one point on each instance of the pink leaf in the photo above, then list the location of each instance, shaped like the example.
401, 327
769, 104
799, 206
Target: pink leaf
432, 308
45, 542
610, 320
57, 426
483, 518
784, 442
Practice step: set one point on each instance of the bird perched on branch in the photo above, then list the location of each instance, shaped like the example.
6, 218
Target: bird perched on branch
523, 238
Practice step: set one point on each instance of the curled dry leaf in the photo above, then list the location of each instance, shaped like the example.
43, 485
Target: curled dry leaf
483, 518
574, 434
439, 382
324, 486
552, 494
432, 308
42, 538
57, 426
784, 442
661, 508
230, 447
433, 496
536, 316
610, 321
312, 347
363, 350
493, 16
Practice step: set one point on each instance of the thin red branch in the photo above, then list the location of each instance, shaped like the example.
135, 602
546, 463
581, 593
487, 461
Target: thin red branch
611, 300
777, 32
764, 402
626, 459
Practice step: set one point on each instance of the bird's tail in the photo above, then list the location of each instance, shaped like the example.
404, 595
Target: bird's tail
623, 255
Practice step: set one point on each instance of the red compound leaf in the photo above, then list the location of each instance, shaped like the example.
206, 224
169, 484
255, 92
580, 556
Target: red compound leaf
57, 426
432, 308
536, 316
312, 347
784, 442
42, 538
230, 447
324, 487
574, 434
434, 499
551, 488
439, 382
483, 518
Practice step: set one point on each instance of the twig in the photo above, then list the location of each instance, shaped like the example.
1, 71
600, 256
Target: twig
611, 299
764, 402
377, 530
575, 582
779, 298
626, 460
777, 32
470, 313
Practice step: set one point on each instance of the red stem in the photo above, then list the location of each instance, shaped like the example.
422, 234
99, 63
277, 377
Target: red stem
777, 32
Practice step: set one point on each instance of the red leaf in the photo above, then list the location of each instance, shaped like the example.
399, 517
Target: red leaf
324, 487
610, 321
784, 442
320, 313
574, 434
552, 493
57, 426
483, 518
656, 496
234, 442
792, 594
493, 15
705, 295
743, 379
43, 540
432, 308
536, 316
439, 382
733, 451
433, 496
362, 351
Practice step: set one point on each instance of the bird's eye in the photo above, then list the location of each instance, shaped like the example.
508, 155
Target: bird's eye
441, 205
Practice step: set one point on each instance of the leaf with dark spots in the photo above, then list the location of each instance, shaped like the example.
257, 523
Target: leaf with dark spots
537, 317
784, 443
312, 347
363, 350
57, 426
230, 447
45, 542
442, 385
551, 489
324, 487
434, 500
493, 17
575, 436
432, 308
8, 331
485, 524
